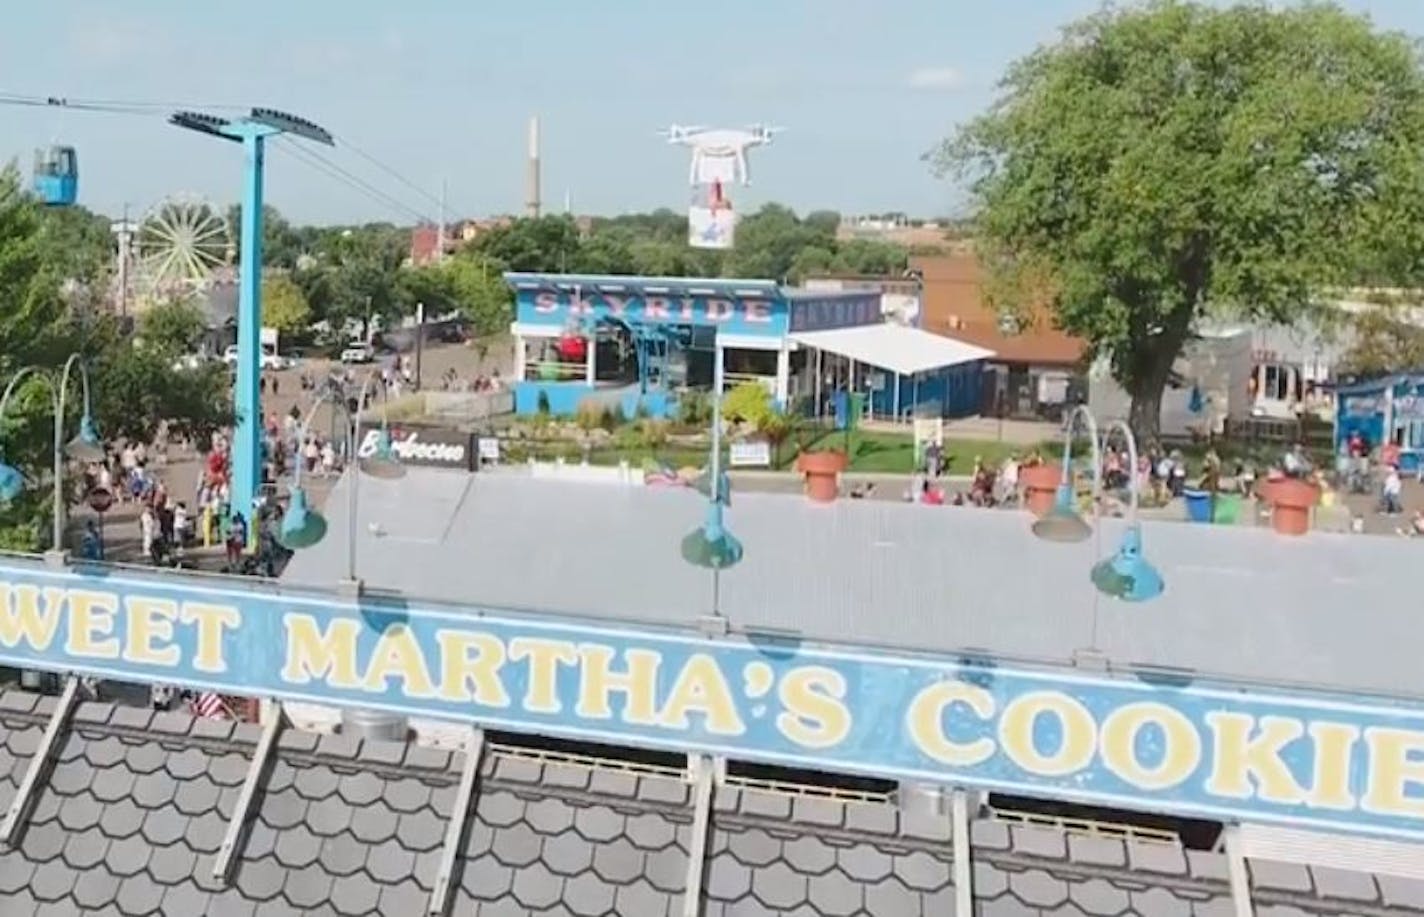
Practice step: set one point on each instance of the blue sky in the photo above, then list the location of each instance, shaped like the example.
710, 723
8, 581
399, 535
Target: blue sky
441, 90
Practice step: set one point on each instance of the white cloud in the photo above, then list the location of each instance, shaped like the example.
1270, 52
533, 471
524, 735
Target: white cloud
936, 78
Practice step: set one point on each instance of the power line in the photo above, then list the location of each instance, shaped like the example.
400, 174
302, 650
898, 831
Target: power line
321, 164
347, 144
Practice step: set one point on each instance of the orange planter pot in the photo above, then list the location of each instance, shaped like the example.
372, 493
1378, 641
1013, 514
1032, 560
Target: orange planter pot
1291, 502
822, 471
1040, 484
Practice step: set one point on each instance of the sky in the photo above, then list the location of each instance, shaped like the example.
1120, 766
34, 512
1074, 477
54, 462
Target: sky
439, 94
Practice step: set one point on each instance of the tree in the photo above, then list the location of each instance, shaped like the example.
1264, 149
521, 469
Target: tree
284, 305
1382, 342
172, 328
1164, 161
548, 243
468, 283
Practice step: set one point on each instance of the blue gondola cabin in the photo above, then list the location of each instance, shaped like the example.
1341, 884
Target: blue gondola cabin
57, 176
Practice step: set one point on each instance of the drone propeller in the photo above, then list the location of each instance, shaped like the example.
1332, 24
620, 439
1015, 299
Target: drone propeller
682, 130
765, 130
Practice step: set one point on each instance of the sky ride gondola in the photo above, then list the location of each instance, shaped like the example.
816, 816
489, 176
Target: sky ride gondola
56, 180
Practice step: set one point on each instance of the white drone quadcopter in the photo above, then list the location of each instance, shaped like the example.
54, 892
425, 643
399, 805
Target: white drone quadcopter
720, 154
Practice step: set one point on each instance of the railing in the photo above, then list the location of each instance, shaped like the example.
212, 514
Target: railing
554, 371
1087, 826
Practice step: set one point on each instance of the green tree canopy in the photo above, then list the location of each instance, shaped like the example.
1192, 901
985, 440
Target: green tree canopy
284, 305
172, 328
1165, 160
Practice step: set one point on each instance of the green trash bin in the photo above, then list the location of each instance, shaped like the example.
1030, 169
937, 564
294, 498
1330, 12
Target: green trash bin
1227, 510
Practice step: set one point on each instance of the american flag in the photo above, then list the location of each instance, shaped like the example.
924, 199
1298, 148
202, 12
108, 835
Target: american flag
210, 705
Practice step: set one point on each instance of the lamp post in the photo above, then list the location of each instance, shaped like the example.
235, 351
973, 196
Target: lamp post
303, 526
252, 131
85, 446
1126, 575
711, 545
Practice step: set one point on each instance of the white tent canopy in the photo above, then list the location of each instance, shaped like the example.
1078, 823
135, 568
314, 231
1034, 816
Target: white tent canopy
897, 348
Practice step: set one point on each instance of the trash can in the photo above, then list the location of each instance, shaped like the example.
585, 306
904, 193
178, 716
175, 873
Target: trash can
1198, 505
1228, 509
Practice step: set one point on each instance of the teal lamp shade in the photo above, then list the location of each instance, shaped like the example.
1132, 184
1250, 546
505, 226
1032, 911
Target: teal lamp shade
1063, 522
703, 485
302, 526
383, 462
86, 446
711, 545
1127, 575
11, 482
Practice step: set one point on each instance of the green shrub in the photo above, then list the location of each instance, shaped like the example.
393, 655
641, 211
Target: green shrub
589, 414
694, 409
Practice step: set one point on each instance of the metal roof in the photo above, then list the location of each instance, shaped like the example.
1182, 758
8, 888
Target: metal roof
898, 348
713, 286
1241, 603
130, 817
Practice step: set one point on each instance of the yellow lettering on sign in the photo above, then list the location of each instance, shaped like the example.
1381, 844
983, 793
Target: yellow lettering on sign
1330, 784
545, 657
638, 683
925, 721
21, 618
702, 688
91, 624
1181, 746
397, 655
211, 621
149, 620
814, 715
1078, 733
1396, 767
312, 654
469, 668
1244, 763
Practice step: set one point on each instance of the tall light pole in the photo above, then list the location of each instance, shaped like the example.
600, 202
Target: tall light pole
252, 132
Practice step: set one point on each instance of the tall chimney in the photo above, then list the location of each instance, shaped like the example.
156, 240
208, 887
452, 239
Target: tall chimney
531, 176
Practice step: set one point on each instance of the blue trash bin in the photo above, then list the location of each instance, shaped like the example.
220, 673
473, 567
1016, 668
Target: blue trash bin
1198, 505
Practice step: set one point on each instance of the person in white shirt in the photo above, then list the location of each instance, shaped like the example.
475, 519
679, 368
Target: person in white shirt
1391, 492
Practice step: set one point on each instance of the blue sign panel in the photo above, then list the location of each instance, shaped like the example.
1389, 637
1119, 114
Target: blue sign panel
1189, 750
835, 311
742, 315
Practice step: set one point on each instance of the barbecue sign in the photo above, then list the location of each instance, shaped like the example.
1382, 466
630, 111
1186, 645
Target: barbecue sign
1192, 750
424, 446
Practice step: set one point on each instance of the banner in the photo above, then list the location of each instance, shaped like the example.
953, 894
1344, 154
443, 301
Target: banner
425, 446
1188, 749
709, 228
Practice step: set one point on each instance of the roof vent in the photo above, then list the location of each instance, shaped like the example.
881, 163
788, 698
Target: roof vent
373, 724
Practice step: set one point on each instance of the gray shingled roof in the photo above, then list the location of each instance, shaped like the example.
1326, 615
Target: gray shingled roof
1304, 610
136, 805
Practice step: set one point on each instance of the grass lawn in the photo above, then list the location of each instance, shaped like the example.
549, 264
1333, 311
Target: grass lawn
894, 453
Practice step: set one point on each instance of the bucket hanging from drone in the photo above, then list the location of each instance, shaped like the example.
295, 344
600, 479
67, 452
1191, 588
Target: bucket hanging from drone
711, 221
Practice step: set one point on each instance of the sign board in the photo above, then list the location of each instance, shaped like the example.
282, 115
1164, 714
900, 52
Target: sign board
1310, 761
750, 454
835, 310
711, 228
424, 447
489, 449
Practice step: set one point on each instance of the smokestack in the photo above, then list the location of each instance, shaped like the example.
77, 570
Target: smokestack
531, 176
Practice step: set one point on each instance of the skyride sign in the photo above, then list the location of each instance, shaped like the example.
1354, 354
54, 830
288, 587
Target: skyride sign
1199, 751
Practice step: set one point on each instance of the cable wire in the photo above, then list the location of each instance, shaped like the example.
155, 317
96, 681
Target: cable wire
347, 144
320, 163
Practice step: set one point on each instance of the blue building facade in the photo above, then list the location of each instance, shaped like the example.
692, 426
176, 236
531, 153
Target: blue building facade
1385, 410
636, 341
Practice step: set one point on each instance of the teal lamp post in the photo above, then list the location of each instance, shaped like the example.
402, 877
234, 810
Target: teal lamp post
1127, 575
86, 446
711, 545
303, 526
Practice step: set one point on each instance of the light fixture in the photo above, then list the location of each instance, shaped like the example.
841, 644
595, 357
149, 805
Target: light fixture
711, 545
1127, 575
302, 526
1062, 523
12, 483
383, 463
86, 446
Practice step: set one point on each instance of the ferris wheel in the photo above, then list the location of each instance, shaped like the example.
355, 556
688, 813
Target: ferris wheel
182, 241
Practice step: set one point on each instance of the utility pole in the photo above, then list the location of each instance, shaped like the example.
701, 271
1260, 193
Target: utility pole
124, 232
440, 229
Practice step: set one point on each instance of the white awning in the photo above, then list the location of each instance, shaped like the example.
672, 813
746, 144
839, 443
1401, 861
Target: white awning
897, 348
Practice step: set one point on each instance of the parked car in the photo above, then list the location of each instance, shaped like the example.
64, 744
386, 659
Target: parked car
358, 352
270, 360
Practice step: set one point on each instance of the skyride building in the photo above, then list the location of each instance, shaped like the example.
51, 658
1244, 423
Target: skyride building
532, 705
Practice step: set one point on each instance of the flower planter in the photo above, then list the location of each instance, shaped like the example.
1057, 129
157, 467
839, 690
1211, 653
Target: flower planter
1291, 502
822, 471
1040, 484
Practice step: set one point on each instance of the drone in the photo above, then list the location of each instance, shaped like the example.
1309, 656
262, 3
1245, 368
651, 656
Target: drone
720, 154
